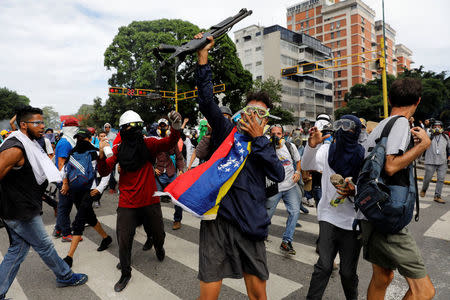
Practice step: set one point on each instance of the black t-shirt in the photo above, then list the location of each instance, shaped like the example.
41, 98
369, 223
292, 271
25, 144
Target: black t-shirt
21, 197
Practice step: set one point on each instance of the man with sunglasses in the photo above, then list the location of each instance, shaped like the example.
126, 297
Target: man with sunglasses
24, 172
336, 234
137, 205
232, 245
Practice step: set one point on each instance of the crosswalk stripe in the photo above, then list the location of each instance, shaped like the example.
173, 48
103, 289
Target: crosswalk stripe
305, 253
312, 210
306, 226
439, 229
186, 253
103, 274
15, 291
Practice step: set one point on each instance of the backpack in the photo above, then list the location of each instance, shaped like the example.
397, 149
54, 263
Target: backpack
80, 172
386, 204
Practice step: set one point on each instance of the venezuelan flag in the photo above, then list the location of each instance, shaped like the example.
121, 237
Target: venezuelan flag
201, 189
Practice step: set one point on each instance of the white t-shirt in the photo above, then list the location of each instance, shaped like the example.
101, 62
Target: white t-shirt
48, 146
289, 170
342, 215
189, 151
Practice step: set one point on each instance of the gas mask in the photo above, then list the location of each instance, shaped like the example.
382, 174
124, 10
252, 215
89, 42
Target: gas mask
437, 130
163, 132
276, 141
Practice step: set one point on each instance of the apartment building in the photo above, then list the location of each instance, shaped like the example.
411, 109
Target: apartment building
348, 27
403, 56
264, 51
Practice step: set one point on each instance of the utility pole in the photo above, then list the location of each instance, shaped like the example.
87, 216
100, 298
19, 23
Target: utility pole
383, 68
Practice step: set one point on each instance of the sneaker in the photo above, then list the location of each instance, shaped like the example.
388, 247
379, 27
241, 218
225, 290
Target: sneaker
56, 233
148, 244
105, 243
68, 260
304, 210
438, 199
68, 239
422, 193
286, 247
122, 283
176, 225
298, 225
310, 203
76, 279
160, 253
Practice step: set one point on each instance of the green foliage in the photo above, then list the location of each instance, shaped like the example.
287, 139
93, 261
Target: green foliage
51, 117
273, 87
134, 66
366, 101
9, 100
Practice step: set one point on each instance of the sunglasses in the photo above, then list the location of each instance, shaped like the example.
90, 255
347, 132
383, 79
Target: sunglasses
344, 124
261, 112
35, 123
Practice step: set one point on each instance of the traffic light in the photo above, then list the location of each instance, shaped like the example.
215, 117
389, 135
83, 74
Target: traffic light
289, 71
117, 91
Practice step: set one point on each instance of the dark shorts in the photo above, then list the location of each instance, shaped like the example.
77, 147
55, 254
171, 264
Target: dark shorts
224, 252
393, 251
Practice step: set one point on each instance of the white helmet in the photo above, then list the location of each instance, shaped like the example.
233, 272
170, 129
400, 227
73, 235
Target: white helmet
128, 117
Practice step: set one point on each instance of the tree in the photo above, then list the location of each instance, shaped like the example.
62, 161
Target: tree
273, 87
130, 56
51, 117
84, 115
9, 100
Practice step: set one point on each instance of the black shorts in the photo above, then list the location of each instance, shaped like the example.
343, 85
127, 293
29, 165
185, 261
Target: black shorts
224, 252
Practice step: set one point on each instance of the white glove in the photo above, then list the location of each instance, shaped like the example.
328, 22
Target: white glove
175, 120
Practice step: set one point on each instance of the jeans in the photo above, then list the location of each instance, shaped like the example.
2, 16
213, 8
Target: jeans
65, 204
429, 171
291, 199
161, 182
127, 221
22, 235
333, 240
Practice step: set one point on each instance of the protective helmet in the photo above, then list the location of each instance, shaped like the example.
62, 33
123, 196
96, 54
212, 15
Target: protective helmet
4, 132
128, 117
363, 122
226, 110
322, 120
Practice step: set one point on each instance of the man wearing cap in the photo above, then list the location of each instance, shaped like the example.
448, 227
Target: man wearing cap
137, 205
65, 203
167, 164
436, 158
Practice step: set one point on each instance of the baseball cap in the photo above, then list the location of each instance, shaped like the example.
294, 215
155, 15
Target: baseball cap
82, 133
71, 122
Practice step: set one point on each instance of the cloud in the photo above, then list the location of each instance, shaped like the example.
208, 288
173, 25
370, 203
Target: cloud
52, 51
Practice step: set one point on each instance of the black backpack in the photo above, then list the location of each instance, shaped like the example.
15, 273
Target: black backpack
385, 203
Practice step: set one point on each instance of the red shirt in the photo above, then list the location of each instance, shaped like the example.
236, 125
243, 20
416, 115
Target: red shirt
137, 188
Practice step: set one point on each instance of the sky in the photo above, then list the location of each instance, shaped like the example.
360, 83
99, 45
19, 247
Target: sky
52, 51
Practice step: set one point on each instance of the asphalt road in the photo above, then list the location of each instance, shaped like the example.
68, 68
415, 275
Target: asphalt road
176, 276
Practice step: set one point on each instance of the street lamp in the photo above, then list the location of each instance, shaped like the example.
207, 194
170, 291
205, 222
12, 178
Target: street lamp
383, 67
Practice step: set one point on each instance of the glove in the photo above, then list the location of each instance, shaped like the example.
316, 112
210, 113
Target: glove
175, 120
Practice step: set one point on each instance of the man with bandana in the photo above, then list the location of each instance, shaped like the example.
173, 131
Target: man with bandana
336, 235
232, 245
436, 158
137, 205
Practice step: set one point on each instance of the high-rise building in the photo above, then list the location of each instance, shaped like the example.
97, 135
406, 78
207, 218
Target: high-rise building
264, 51
403, 55
348, 27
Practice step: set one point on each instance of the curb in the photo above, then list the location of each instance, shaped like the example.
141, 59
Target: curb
447, 182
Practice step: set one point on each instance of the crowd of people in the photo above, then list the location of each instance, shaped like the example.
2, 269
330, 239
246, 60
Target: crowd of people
260, 162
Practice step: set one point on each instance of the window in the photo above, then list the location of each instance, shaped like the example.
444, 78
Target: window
339, 84
258, 33
307, 14
338, 53
258, 49
339, 94
338, 44
332, 35
363, 50
338, 34
259, 77
339, 74
362, 29
237, 41
248, 52
258, 63
248, 67
247, 38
